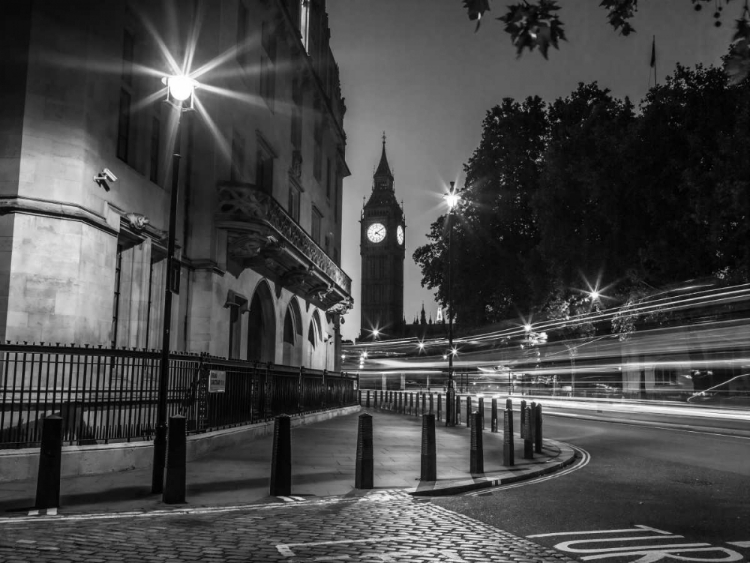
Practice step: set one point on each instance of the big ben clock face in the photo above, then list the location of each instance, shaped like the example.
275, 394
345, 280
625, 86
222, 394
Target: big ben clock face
400, 234
376, 232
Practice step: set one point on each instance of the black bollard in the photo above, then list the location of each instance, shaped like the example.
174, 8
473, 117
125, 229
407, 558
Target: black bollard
531, 430
481, 410
431, 405
468, 413
528, 442
538, 436
457, 411
493, 420
429, 449
359, 397
509, 456
363, 478
509, 404
411, 403
281, 459
175, 476
439, 405
476, 457
375, 399
367, 401
523, 419
50, 462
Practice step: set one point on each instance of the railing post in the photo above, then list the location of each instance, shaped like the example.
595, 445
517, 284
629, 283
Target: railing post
508, 451
281, 459
429, 449
364, 469
300, 388
476, 456
324, 387
50, 461
175, 480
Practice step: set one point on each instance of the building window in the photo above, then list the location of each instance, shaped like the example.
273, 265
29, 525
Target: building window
128, 50
268, 65
336, 197
242, 18
318, 155
123, 126
316, 221
237, 170
264, 172
155, 148
289, 328
294, 198
296, 114
328, 179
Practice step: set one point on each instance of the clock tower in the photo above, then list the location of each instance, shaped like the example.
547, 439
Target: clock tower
382, 247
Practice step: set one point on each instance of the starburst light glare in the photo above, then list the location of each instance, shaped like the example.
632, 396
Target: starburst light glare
452, 198
181, 87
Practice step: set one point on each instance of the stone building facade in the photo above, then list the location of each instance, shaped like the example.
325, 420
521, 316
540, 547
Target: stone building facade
82, 256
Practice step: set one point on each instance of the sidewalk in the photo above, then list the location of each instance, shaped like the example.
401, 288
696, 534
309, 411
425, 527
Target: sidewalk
323, 464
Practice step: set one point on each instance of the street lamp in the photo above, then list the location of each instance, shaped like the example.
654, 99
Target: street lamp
180, 90
451, 198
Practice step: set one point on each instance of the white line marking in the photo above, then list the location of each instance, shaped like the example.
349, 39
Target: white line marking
739, 543
638, 528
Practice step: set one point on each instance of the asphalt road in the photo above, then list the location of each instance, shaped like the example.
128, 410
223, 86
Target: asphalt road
642, 486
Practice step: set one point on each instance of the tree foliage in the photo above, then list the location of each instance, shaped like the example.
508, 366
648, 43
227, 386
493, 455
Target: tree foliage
588, 192
536, 24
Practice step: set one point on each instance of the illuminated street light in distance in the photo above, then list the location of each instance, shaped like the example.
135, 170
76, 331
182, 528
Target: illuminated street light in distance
421, 345
454, 352
527, 327
594, 295
181, 87
452, 198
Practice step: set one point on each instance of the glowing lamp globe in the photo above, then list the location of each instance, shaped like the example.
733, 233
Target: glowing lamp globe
180, 87
452, 199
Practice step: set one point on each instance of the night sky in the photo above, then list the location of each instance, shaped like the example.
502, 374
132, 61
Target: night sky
416, 70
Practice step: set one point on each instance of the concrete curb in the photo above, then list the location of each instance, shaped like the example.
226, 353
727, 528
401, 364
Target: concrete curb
21, 464
496, 478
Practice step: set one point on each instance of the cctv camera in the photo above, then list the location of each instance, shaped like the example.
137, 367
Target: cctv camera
109, 175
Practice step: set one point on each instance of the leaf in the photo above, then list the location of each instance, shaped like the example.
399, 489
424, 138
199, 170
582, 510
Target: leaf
476, 9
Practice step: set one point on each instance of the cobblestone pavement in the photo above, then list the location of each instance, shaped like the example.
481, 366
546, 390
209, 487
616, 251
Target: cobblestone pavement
383, 526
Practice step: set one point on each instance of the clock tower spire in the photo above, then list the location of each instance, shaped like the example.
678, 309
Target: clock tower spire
382, 248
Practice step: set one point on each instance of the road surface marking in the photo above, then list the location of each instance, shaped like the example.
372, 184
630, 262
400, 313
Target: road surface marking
638, 528
739, 543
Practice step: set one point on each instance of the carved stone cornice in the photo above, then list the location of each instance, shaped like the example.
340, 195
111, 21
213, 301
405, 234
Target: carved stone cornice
50, 208
264, 237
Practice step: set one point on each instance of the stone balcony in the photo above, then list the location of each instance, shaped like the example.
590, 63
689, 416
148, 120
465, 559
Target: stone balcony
263, 237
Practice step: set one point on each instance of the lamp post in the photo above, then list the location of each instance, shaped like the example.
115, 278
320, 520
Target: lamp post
179, 89
452, 198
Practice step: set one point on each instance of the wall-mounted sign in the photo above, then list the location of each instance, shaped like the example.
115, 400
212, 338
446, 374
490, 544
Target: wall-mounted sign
217, 381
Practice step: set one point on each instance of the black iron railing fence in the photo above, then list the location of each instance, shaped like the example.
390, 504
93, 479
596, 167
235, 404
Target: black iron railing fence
109, 395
